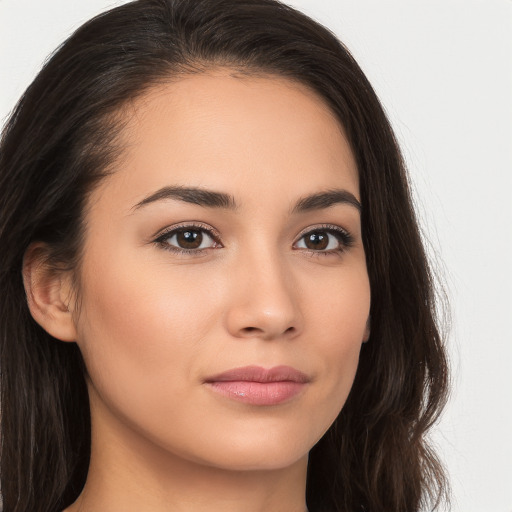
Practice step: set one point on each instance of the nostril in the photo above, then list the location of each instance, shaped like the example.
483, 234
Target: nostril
257, 330
250, 329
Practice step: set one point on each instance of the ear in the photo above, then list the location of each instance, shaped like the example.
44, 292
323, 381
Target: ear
49, 294
366, 335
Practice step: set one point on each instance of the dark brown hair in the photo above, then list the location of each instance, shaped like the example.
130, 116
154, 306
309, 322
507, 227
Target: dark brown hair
60, 141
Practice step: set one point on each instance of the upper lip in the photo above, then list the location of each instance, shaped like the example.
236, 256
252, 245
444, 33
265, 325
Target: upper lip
259, 374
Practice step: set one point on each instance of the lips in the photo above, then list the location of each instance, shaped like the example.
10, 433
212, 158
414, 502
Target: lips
259, 386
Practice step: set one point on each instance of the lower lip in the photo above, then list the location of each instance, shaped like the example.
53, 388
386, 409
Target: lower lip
258, 393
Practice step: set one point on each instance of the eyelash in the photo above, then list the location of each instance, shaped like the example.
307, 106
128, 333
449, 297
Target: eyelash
345, 239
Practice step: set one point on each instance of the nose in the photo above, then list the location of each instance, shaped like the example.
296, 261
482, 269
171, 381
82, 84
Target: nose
264, 300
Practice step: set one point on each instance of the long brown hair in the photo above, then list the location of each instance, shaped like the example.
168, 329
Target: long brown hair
58, 144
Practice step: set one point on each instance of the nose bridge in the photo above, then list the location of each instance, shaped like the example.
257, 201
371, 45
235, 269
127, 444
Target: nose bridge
265, 302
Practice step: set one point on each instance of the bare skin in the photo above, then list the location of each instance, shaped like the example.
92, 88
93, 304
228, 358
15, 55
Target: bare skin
269, 284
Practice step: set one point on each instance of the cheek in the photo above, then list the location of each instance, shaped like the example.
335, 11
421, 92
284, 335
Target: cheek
340, 306
341, 318
136, 334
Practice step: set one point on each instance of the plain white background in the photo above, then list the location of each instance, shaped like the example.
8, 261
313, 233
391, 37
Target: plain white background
443, 70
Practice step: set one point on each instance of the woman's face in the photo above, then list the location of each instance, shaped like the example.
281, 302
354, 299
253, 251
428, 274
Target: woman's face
228, 237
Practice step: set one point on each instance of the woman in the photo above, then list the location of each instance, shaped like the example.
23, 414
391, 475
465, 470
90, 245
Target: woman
215, 296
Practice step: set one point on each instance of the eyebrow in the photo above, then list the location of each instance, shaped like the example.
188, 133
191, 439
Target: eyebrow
212, 199
194, 195
322, 200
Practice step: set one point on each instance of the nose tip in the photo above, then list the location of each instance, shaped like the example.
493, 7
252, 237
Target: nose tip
265, 306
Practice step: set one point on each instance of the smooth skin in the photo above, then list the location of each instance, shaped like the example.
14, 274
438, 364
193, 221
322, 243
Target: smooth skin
259, 289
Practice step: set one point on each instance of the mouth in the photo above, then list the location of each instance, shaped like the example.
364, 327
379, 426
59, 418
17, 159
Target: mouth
259, 386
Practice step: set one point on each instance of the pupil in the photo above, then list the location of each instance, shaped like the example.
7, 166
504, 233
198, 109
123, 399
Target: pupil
189, 239
317, 241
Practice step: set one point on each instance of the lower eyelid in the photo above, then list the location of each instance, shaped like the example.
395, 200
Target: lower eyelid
344, 238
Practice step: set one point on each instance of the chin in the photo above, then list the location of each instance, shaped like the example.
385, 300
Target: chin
262, 461
266, 453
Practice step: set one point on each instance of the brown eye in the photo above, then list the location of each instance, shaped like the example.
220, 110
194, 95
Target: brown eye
192, 239
189, 239
317, 240
328, 240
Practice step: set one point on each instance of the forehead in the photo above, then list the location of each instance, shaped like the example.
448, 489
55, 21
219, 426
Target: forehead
219, 130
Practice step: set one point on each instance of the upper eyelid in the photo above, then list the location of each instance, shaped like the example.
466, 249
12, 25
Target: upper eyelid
191, 225
213, 233
326, 227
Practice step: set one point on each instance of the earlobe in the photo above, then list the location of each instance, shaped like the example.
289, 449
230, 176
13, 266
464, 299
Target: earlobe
48, 294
